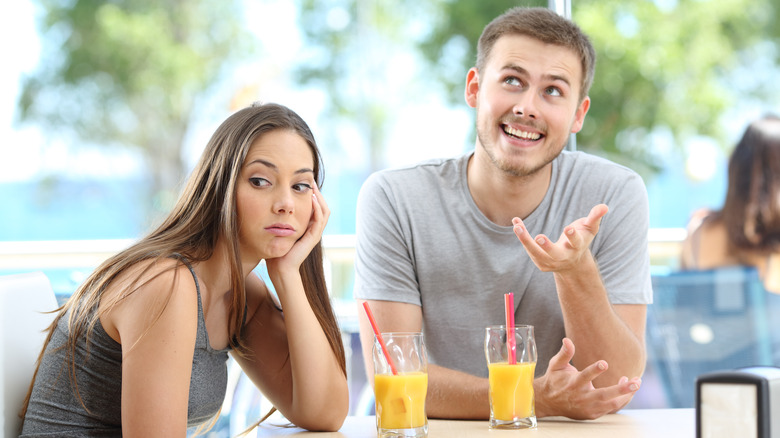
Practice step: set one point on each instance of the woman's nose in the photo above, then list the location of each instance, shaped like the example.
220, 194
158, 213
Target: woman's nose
284, 204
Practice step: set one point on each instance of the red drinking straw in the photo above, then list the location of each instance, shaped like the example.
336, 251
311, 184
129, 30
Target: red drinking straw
509, 304
379, 337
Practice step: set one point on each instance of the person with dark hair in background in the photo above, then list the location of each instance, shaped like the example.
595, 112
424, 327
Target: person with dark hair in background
140, 349
746, 230
437, 243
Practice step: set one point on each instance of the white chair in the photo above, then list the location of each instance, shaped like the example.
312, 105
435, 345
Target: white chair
23, 300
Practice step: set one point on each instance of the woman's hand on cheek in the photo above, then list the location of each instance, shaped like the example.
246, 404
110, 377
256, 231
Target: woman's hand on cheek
313, 234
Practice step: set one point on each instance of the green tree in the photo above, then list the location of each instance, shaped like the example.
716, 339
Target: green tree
129, 74
353, 49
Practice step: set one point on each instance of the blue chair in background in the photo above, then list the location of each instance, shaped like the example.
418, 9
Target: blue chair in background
702, 321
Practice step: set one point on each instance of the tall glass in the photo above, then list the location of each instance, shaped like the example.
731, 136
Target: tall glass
400, 397
511, 385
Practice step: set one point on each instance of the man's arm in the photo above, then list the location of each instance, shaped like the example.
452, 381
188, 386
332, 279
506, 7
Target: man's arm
600, 330
563, 390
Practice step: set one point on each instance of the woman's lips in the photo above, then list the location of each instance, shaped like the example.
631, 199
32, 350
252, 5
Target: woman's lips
281, 230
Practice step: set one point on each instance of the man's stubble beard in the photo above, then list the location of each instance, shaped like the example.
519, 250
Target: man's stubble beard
516, 170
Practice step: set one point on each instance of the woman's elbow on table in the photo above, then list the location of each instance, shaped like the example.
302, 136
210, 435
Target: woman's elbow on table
324, 420
326, 415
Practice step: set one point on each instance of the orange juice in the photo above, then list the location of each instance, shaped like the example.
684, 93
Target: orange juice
400, 400
511, 390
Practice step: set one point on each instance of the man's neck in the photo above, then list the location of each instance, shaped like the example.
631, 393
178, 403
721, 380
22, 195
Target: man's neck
501, 196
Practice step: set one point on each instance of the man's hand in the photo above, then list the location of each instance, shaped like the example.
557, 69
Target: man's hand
570, 248
564, 391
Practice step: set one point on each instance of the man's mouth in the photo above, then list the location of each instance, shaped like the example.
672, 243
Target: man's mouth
519, 133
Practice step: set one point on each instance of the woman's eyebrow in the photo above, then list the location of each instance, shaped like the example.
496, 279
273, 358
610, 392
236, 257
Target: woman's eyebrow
273, 166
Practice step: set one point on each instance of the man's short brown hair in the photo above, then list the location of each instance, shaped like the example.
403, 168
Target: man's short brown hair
546, 26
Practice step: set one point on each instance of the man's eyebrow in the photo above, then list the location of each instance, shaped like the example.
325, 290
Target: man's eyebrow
551, 77
273, 166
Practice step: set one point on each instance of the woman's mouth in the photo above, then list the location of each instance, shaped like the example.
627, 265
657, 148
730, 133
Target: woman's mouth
281, 230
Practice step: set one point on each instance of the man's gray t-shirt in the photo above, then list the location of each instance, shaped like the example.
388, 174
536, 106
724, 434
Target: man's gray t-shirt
422, 240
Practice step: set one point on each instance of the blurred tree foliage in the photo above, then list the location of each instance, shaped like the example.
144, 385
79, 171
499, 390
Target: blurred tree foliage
664, 66
349, 51
129, 74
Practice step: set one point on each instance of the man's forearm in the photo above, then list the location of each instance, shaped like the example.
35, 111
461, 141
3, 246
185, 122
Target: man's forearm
600, 332
454, 394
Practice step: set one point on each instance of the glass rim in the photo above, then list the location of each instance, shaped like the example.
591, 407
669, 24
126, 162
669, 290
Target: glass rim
503, 326
400, 334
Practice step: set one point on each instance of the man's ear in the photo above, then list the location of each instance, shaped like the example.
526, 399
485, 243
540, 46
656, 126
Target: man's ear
579, 115
472, 87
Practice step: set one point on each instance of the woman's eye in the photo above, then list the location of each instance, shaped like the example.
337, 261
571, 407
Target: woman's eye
259, 182
302, 187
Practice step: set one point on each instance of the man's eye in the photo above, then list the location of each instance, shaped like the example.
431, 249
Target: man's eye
302, 187
554, 91
513, 81
259, 182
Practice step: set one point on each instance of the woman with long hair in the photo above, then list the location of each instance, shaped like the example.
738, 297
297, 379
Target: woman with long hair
746, 230
140, 349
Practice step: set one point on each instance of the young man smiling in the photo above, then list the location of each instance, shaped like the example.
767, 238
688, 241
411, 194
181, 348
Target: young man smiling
438, 242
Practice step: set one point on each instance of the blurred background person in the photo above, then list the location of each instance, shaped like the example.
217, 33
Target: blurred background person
746, 230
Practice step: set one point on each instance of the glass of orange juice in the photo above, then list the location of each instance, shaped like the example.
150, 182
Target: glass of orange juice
511, 376
400, 395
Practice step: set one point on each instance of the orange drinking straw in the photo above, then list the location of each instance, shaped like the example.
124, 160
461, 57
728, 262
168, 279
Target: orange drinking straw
379, 337
509, 304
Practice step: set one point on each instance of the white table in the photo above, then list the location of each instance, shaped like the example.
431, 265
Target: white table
629, 423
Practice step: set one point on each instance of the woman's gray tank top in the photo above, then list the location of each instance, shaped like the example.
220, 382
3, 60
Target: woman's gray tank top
55, 409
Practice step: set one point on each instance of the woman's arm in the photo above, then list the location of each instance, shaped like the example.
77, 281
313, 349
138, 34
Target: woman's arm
157, 327
291, 360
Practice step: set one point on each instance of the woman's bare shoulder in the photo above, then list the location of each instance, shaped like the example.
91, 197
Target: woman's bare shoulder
698, 218
144, 291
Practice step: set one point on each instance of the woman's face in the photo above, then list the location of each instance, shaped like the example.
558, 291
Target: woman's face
274, 194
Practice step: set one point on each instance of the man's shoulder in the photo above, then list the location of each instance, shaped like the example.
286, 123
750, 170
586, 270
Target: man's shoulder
575, 162
435, 169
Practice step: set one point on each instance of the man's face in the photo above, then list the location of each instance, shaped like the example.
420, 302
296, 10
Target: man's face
527, 101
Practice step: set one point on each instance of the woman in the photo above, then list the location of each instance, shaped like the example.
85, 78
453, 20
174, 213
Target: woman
746, 231
140, 348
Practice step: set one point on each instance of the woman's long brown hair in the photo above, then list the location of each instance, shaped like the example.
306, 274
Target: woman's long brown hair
205, 211
751, 211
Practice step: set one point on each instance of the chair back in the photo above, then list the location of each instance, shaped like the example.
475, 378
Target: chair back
703, 321
23, 299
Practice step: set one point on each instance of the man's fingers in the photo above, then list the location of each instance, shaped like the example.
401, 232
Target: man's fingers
573, 237
622, 391
596, 213
563, 357
593, 370
535, 247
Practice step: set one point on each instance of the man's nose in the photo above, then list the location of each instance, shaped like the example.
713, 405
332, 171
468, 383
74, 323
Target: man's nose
525, 105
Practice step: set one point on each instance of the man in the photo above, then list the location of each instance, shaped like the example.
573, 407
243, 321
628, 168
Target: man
438, 243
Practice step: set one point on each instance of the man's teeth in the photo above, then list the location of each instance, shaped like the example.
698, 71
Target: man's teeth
521, 134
